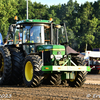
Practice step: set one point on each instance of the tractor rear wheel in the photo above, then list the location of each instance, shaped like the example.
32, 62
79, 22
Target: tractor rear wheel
5, 66
53, 79
32, 70
17, 58
80, 76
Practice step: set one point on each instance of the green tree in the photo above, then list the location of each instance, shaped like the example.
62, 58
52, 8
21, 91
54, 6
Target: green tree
7, 11
88, 25
21, 8
39, 11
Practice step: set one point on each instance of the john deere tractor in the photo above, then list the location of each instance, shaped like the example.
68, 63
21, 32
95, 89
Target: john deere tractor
36, 55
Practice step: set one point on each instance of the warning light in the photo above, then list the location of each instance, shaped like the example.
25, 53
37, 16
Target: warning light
15, 18
51, 19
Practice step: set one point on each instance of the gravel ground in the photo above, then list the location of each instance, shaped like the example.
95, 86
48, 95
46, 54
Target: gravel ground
46, 92
93, 79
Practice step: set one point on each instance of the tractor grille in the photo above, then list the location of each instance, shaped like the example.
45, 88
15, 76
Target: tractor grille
46, 57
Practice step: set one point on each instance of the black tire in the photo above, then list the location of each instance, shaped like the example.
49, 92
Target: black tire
64, 82
80, 76
53, 79
17, 58
32, 74
5, 64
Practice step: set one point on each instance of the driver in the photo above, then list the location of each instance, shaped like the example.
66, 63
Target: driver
34, 38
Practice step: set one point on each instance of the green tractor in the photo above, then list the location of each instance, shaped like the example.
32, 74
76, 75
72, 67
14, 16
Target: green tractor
36, 56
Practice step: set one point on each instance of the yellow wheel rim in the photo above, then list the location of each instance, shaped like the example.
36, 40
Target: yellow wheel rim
74, 78
28, 71
2, 67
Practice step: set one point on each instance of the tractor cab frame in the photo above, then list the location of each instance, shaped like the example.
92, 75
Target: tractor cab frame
30, 33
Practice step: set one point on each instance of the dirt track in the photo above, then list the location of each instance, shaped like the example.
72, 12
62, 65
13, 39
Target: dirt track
86, 92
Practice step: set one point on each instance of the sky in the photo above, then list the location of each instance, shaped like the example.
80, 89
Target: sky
56, 2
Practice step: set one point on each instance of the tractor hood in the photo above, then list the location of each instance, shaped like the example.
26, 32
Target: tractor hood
53, 48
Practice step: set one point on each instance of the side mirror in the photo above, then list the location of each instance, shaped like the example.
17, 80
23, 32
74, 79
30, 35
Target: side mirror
10, 28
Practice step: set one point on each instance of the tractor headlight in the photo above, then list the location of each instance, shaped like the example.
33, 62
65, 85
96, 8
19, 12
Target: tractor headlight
64, 56
52, 56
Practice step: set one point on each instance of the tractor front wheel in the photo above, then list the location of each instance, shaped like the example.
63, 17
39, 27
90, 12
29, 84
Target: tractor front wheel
53, 79
80, 76
32, 71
